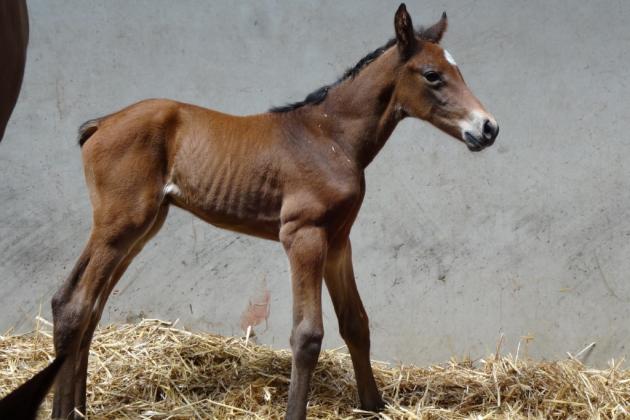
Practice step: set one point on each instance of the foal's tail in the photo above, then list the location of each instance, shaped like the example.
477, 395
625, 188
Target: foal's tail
24, 402
87, 129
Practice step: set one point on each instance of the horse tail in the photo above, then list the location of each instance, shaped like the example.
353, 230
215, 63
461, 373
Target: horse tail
87, 129
24, 402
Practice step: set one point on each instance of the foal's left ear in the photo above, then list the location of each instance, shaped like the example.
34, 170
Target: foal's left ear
435, 32
405, 35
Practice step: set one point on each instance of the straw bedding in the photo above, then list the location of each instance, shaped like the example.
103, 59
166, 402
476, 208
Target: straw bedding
152, 370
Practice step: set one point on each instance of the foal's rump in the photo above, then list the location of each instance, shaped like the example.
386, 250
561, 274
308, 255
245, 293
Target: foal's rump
134, 121
126, 157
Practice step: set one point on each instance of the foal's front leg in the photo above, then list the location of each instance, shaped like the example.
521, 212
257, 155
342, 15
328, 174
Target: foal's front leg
353, 321
306, 249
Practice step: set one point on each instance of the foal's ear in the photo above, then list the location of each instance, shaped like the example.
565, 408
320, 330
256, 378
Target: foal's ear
405, 36
435, 32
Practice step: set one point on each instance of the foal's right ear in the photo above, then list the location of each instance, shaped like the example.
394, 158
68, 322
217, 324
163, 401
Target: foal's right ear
405, 35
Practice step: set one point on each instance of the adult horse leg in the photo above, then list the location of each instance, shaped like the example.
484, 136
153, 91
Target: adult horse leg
84, 349
353, 321
306, 249
118, 226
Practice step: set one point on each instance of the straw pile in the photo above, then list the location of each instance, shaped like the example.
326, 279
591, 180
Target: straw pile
152, 370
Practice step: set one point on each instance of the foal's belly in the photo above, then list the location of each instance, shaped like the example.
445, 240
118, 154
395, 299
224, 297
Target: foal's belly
232, 197
263, 225
227, 170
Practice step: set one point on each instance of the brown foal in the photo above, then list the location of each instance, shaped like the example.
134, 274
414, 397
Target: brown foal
293, 175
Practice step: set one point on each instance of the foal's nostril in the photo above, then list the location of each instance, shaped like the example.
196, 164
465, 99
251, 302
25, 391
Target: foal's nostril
488, 129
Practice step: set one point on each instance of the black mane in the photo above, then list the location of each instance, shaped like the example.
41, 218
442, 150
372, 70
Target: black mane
320, 94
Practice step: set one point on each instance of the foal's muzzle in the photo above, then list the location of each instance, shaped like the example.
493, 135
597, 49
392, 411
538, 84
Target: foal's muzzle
477, 141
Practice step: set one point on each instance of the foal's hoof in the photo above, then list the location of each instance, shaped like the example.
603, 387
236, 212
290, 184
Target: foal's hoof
374, 406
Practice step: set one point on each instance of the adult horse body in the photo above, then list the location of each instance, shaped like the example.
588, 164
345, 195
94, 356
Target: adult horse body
13, 42
294, 175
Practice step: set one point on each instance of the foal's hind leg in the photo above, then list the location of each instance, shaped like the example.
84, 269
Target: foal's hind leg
84, 349
117, 229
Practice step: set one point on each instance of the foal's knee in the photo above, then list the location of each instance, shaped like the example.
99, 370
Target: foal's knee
306, 343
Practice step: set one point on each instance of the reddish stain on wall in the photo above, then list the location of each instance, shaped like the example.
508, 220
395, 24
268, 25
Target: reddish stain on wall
258, 309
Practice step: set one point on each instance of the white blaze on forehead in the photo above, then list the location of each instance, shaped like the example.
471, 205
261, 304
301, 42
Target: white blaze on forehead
449, 58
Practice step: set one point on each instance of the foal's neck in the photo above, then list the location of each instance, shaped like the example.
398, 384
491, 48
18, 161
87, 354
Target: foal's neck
362, 112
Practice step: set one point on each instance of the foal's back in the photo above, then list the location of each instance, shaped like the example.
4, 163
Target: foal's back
231, 171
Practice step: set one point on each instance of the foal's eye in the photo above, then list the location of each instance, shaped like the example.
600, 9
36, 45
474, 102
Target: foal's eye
432, 77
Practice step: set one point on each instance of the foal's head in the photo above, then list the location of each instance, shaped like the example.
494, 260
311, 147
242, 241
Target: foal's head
430, 86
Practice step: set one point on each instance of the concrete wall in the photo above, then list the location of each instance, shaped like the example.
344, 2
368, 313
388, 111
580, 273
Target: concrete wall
530, 238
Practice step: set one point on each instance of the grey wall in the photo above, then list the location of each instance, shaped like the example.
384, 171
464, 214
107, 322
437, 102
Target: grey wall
530, 238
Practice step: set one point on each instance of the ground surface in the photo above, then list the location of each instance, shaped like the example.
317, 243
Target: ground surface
152, 370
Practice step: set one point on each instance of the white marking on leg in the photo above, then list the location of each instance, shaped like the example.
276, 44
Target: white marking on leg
449, 58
